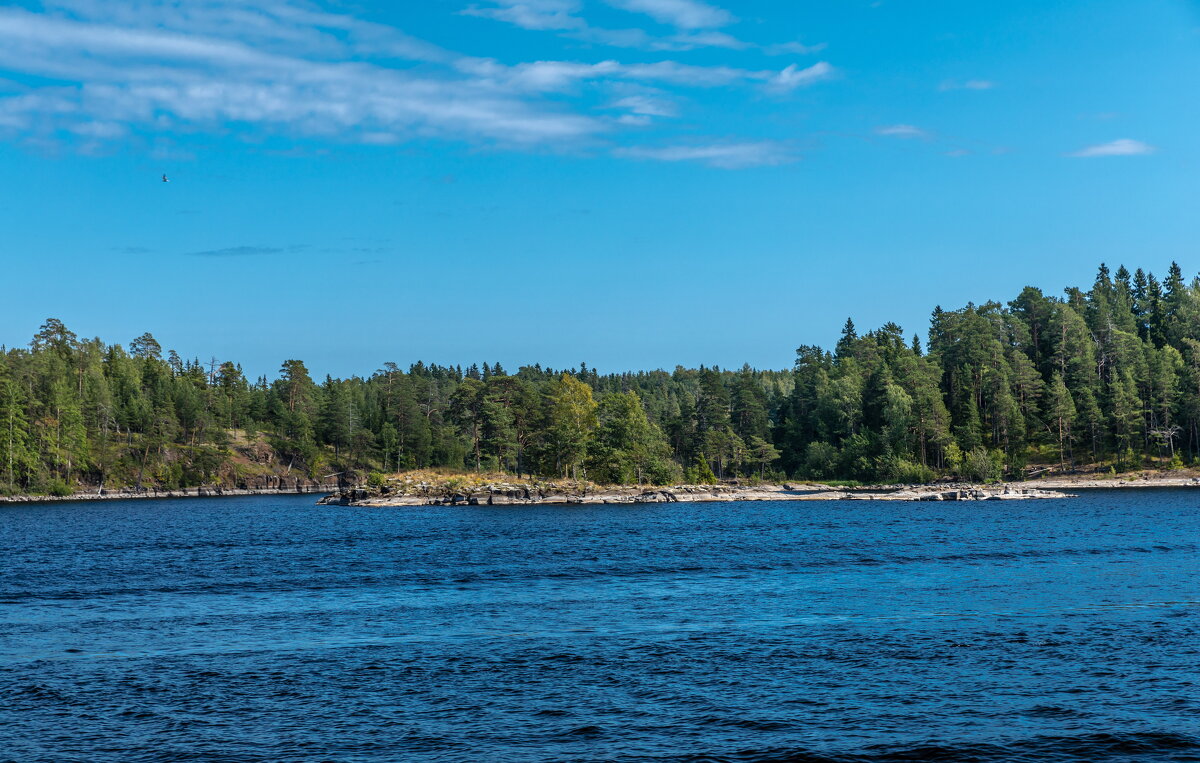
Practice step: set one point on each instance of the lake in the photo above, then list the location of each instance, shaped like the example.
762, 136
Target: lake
272, 629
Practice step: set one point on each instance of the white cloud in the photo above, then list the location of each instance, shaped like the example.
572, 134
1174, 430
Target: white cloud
694, 76
645, 105
684, 14
697, 24
723, 155
101, 130
971, 84
163, 66
793, 76
288, 25
94, 72
901, 131
560, 16
550, 76
706, 38
797, 48
538, 76
532, 14
1122, 147
164, 75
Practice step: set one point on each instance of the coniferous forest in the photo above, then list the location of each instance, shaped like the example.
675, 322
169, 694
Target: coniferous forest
1107, 378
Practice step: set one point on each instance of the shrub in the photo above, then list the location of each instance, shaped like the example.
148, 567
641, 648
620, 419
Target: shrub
981, 466
820, 460
898, 470
704, 473
954, 457
58, 487
858, 458
376, 480
842, 483
455, 485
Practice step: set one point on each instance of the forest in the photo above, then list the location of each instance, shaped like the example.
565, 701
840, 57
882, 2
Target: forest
1106, 378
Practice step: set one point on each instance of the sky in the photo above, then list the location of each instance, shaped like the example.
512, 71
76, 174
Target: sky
633, 184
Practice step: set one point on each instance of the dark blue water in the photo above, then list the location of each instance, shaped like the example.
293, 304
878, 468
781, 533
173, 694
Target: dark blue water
270, 629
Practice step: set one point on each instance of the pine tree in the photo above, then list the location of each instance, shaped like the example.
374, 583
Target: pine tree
1060, 409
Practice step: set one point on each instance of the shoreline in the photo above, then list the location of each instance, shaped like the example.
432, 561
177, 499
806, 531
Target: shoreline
1091, 483
404, 490
509, 495
190, 492
515, 495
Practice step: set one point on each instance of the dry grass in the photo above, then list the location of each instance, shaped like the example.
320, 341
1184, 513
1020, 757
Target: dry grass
444, 482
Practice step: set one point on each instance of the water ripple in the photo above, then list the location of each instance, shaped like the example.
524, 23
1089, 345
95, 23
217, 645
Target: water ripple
270, 629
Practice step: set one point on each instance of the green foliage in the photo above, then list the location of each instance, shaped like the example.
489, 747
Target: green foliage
703, 473
821, 461
57, 487
981, 465
627, 447
376, 480
571, 422
1108, 375
895, 470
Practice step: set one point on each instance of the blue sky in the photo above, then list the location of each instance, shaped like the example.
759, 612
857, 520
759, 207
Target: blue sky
630, 183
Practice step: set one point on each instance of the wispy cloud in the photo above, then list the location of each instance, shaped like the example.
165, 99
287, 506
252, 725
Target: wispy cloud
109, 69
238, 251
797, 48
97, 74
793, 76
645, 105
696, 24
1122, 147
971, 84
532, 14
723, 155
684, 14
643, 110
556, 76
901, 131
309, 82
705, 38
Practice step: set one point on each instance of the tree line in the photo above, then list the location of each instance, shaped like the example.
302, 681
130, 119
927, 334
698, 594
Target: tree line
1109, 376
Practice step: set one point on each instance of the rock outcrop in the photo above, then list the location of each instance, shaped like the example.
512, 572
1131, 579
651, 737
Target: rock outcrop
459, 493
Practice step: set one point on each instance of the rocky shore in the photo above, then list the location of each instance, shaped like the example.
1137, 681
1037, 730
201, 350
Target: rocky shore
522, 494
406, 491
1110, 483
272, 486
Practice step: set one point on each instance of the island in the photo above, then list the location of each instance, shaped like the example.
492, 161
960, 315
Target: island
1101, 384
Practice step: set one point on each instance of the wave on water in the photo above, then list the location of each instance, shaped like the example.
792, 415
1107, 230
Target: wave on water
819, 633
1143, 746
317, 578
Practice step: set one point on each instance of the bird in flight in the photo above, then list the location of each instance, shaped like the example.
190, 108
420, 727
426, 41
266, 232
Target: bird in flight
165, 180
